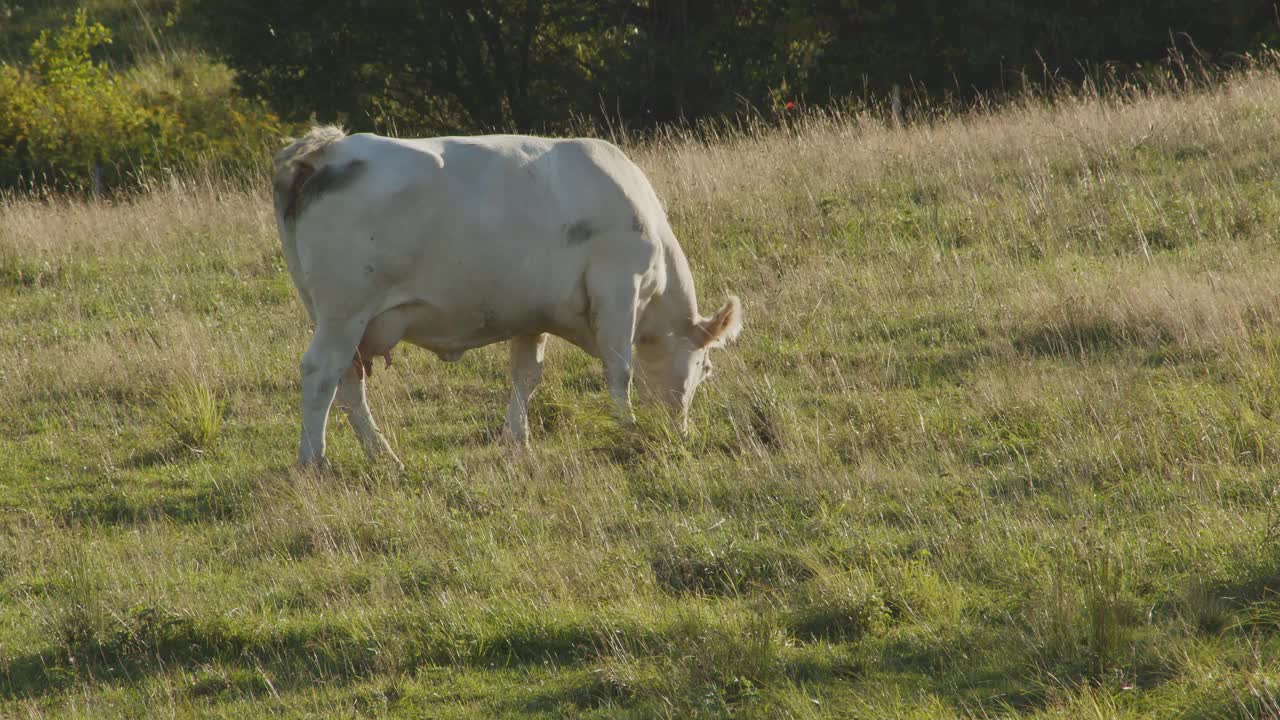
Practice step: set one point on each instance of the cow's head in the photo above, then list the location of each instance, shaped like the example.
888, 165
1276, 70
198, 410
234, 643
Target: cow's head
672, 367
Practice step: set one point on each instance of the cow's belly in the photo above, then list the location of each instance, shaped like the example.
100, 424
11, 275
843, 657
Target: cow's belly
446, 333
451, 331
455, 298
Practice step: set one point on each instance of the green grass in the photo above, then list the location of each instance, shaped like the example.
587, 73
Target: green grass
999, 439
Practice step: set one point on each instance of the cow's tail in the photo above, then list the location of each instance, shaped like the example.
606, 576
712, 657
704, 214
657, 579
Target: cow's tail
295, 163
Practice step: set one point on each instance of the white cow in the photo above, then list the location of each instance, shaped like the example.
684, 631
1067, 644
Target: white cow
458, 242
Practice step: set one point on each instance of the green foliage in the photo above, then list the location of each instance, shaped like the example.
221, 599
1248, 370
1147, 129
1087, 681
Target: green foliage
64, 114
570, 65
464, 65
215, 125
68, 120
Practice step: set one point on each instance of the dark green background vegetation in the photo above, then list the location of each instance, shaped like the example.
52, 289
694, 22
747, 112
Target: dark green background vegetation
463, 64
170, 92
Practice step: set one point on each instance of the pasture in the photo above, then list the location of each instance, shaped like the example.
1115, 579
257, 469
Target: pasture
999, 438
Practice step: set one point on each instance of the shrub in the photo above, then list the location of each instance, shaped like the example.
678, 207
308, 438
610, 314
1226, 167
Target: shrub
215, 126
69, 122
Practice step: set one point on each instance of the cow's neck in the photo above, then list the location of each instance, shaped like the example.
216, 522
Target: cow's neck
676, 305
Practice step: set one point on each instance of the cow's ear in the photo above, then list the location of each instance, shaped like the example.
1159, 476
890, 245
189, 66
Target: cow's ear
722, 327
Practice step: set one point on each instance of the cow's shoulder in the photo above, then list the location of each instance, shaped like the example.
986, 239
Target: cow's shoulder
595, 151
391, 153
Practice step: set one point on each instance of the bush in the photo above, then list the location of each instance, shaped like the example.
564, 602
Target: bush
72, 123
215, 125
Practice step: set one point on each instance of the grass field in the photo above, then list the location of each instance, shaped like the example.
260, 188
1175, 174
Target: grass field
1000, 438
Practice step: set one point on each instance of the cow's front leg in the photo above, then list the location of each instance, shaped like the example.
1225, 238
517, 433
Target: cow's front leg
352, 399
323, 365
527, 352
614, 315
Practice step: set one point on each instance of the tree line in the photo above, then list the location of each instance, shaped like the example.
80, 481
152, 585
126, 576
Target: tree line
200, 83
537, 65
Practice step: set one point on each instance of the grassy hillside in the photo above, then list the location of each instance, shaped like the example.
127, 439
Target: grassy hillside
999, 438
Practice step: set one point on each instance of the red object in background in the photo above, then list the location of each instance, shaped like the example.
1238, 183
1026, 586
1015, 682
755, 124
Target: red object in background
791, 105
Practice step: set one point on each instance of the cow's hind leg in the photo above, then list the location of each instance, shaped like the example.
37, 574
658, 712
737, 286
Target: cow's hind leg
527, 352
613, 308
352, 399
323, 365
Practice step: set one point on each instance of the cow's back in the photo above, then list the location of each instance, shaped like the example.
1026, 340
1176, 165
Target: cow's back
504, 189
551, 191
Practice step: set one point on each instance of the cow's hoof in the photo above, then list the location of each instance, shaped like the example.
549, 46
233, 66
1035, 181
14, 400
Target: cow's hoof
519, 443
396, 462
319, 466
381, 451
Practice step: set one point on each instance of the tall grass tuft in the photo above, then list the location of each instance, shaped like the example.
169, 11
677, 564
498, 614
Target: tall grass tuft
192, 412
